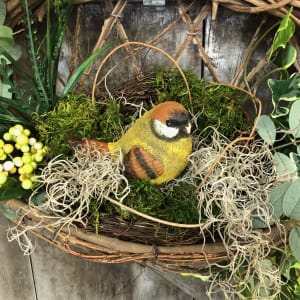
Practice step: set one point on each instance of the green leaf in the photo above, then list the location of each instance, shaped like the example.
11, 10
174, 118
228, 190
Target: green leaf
291, 200
5, 90
284, 90
286, 57
285, 167
81, 69
294, 241
2, 11
266, 129
284, 33
294, 119
296, 265
12, 189
4, 118
204, 278
276, 196
6, 35
7, 43
8, 212
258, 223
38, 198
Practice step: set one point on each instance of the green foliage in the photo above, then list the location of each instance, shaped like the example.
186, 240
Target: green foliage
294, 119
284, 33
8, 212
220, 106
13, 189
7, 42
81, 69
276, 196
77, 115
291, 200
266, 129
39, 95
294, 238
178, 204
289, 269
110, 122
281, 130
284, 90
7, 45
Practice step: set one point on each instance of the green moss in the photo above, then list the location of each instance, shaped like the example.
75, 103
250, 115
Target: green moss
220, 106
77, 116
176, 205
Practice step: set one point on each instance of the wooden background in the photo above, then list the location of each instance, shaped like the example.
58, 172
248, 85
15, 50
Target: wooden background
51, 274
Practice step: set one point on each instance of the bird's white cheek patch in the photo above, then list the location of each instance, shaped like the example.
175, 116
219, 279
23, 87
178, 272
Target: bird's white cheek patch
164, 130
188, 128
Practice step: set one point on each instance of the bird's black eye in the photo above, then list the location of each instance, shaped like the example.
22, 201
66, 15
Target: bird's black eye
169, 123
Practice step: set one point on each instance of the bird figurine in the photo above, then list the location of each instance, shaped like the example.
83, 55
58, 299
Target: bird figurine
156, 147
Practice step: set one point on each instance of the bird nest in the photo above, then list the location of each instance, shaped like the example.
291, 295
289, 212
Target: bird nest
241, 168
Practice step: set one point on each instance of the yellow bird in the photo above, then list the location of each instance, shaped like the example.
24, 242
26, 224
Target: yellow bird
156, 147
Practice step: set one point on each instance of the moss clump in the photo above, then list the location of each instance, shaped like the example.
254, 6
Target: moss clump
77, 116
220, 106
176, 205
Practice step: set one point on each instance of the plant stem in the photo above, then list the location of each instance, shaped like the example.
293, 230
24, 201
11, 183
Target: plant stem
255, 45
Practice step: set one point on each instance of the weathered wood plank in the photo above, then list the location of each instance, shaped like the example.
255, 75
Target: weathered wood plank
61, 276
226, 40
194, 287
15, 272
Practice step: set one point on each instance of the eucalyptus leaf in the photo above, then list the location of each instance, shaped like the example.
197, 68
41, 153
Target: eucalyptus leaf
276, 196
294, 241
8, 212
2, 11
38, 198
294, 119
291, 200
285, 167
283, 34
265, 286
258, 223
284, 90
266, 129
296, 159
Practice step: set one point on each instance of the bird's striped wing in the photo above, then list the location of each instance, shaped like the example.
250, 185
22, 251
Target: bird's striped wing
142, 165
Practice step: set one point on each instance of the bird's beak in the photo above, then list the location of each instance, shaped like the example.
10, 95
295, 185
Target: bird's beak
186, 129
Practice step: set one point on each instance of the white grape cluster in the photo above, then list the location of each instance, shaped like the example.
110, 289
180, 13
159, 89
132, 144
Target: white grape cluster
20, 155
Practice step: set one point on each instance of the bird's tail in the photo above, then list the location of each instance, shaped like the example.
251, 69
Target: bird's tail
92, 144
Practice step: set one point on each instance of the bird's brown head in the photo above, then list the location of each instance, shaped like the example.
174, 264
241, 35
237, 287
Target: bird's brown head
170, 120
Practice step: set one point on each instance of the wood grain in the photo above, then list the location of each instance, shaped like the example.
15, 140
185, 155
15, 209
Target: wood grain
16, 281
62, 276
